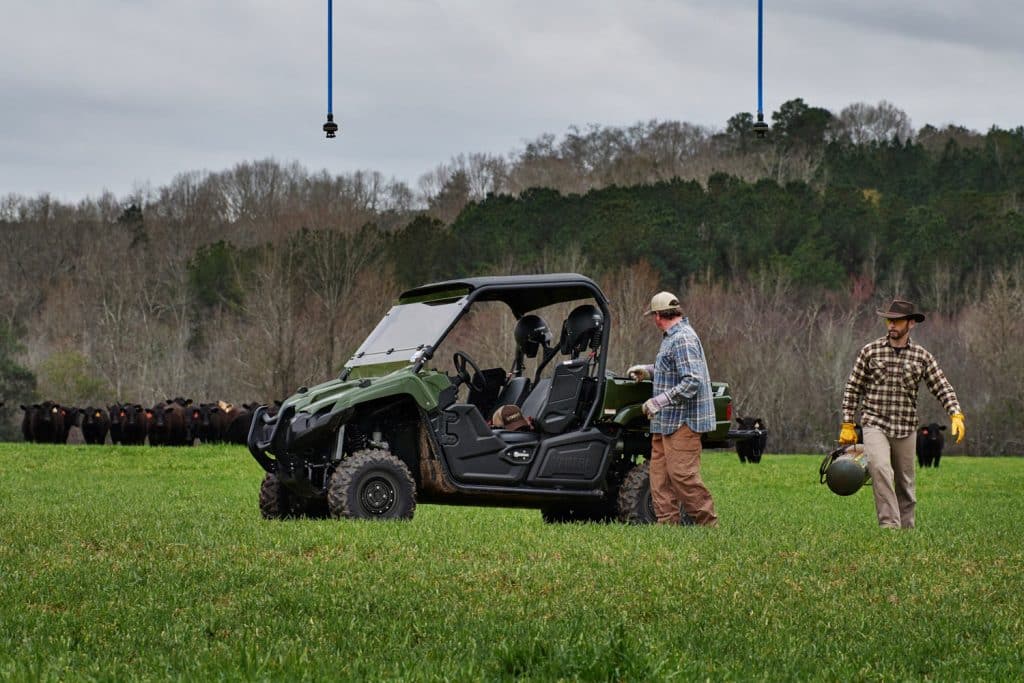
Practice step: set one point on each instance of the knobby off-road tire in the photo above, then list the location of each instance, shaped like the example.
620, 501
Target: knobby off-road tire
372, 484
276, 502
635, 504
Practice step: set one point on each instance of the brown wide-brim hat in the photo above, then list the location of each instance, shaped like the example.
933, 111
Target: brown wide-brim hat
899, 310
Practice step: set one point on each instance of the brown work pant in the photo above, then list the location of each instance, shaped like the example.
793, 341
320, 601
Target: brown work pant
675, 478
891, 466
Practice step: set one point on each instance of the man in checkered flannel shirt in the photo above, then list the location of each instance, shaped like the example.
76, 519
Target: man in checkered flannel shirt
680, 410
884, 383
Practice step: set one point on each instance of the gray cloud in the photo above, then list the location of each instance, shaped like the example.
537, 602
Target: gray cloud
109, 94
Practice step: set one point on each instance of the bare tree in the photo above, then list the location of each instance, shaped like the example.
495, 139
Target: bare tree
862, 123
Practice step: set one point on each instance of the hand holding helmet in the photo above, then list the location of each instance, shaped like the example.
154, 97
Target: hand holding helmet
847, 434
957, 426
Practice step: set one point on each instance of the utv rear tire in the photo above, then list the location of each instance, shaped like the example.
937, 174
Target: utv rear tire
635, 503
276, 502
372, 484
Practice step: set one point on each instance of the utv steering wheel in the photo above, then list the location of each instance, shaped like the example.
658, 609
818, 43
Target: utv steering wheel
475, 381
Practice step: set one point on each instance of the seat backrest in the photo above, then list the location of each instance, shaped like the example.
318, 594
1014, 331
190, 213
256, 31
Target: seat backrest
536, 399
487, 400
514, 392
562, 402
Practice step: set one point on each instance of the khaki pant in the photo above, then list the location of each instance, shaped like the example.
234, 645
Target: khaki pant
891, 466
675, 478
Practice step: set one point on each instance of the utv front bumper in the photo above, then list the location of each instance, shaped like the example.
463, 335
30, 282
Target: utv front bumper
293, 436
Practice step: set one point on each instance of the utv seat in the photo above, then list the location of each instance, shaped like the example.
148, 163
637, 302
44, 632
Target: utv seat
562, 400
514, 392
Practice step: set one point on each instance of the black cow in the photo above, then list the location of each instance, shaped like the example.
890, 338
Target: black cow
209, 423
95, 425
238, 429
47, 423
135, 425
117, 416
177, 430
71, 415
28, 421
929, 444
169, 424
751, 450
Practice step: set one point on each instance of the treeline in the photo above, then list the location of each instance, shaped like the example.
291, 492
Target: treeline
253, 281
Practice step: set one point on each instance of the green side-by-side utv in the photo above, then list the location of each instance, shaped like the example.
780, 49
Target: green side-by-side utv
396, 428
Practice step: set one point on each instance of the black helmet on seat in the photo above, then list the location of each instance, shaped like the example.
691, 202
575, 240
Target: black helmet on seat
581, 329
532, 332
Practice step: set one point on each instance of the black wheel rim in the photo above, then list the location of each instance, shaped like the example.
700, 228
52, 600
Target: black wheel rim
377, 495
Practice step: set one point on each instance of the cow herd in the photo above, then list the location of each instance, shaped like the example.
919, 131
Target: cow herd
174, 422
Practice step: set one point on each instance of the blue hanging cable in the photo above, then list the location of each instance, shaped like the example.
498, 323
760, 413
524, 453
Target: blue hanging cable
760, 127
331, 128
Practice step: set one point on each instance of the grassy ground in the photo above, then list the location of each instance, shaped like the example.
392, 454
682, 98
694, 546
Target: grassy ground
143, 563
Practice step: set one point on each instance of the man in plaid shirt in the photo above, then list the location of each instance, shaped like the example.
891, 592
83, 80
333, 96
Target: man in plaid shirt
680, 409
884, 382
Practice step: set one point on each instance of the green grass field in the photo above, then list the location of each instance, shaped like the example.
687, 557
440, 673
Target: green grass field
154, 564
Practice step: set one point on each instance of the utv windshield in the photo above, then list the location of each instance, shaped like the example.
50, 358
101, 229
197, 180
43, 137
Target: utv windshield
406, 329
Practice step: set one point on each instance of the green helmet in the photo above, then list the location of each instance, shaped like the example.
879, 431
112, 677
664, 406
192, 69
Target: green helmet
845, 470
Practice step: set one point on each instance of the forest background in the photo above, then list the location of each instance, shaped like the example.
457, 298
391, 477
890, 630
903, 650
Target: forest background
246, 283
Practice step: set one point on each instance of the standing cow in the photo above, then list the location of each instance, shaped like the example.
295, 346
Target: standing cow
95, 425
929, 444
28, 421
116, 415
751, 450
209, 422
71, 415
47, 424
135, 425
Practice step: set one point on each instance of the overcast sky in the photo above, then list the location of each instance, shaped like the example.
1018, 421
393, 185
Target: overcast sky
117, 94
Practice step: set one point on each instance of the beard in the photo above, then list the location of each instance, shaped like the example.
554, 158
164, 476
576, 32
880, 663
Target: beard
896, 335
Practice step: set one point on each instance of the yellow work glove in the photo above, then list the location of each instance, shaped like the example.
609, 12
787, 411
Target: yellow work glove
957, 422
847, 435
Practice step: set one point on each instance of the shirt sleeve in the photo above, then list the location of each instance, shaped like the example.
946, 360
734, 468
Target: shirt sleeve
854, 391
940, 387
690, 365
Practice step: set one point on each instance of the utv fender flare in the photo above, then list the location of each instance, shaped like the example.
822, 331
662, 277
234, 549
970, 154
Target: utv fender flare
630, 416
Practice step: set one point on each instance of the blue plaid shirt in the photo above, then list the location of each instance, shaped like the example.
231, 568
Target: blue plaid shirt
681, 371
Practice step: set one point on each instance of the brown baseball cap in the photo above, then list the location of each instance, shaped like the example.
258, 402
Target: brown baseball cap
509, 417
663, 301
900, 309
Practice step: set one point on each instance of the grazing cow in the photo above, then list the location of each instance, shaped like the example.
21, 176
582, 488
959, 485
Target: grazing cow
751, 450
929, 444
95, 425
135, 425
